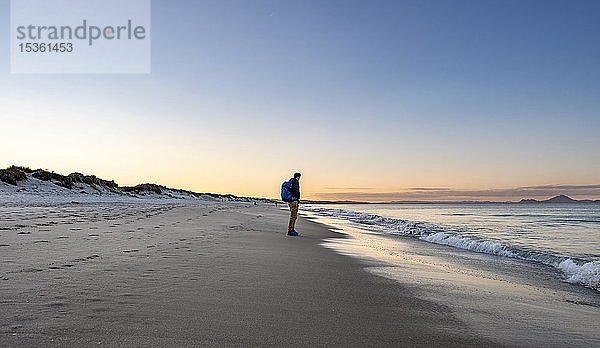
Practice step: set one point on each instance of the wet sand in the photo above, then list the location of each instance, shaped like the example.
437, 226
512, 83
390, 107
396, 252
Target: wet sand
201, 275
507, 300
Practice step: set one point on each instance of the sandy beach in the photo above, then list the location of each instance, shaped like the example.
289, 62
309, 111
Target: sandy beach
440, 157
197, 275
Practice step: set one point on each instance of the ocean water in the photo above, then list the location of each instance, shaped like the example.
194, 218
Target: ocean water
564, 236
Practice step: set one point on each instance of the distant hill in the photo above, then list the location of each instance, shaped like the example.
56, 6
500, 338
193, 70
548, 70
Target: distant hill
559, 199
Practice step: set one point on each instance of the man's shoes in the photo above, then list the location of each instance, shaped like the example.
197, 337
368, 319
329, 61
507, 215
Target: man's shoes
293, 233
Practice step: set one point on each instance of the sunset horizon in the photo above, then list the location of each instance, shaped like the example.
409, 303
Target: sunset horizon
373, 195
390, 97
300, 173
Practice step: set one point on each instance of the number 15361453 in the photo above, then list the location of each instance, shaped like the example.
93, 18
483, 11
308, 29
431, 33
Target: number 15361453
36, 47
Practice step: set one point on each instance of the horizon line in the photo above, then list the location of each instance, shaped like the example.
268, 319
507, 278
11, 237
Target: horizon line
478, 196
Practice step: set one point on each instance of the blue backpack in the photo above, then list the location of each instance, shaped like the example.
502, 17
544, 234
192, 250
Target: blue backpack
286, 192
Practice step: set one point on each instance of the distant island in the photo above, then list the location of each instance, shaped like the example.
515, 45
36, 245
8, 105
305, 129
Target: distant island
559, 199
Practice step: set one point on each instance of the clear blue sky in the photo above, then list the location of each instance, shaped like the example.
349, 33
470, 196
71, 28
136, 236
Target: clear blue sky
374, 96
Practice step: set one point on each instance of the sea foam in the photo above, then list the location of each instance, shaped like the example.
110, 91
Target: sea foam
587, 274
483, 246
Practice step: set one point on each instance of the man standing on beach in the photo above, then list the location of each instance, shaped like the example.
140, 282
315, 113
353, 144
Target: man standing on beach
294, 203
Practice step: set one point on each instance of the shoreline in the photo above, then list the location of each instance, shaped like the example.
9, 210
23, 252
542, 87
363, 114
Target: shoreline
209, 274
571, 253
506, 300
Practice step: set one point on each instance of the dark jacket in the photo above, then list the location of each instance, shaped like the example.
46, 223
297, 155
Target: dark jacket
295, 188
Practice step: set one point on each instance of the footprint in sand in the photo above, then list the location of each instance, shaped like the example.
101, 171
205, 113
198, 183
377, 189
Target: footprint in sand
55, 304
32, 270
95, 299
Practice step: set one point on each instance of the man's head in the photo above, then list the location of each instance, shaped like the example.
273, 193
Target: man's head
297, 176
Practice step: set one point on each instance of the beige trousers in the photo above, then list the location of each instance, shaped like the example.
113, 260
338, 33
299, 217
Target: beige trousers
293, 215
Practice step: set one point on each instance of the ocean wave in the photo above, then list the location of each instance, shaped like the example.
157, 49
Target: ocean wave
581, 272
587, 274
483, 246
586, 220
